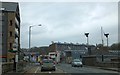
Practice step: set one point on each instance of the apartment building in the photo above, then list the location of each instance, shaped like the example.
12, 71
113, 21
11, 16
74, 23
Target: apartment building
10, 30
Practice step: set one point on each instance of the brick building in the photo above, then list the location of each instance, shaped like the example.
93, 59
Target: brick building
10, 30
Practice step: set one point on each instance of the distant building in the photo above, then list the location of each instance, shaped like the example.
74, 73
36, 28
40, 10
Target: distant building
44, 50
66, 46
69, 51
9, 30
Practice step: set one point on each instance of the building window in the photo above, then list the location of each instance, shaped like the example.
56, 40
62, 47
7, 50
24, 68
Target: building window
10, 22
10, 45
10, 33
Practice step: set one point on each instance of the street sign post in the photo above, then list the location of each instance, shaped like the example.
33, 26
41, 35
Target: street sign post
16, 58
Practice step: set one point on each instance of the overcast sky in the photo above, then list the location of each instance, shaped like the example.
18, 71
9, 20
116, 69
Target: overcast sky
68, 21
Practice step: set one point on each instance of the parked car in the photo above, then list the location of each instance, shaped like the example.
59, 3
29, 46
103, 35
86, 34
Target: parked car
48, 64
76, 63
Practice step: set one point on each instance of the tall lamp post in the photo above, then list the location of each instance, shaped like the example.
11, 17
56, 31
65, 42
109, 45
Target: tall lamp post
86, 34
30, 35
106, 34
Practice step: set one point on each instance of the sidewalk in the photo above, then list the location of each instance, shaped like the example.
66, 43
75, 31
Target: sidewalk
106, 68
112, 69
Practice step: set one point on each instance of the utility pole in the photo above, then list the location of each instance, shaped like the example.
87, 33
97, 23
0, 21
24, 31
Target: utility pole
30, 37
102, 36
86, 34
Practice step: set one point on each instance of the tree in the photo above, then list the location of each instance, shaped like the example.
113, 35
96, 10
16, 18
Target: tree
115, 46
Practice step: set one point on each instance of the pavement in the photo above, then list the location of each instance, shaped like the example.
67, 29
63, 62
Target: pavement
104, 68
112, 69
107, 68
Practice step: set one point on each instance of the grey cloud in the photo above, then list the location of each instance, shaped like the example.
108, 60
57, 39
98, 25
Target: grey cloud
68, 21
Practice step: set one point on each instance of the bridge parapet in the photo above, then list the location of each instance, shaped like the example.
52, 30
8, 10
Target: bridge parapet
7, 66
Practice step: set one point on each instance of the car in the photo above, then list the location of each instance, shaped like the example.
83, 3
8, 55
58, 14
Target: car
76, 63
48, 64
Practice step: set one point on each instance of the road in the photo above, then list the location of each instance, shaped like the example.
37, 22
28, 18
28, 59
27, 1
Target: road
85, 69
68, 69
37, 69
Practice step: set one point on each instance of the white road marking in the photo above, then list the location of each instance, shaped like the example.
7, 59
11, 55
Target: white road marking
37, 70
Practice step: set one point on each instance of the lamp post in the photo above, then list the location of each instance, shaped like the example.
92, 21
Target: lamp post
106, 34
30, 35
86, 34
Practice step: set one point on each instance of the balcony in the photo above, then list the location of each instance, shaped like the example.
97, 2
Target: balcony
16, 33
16, 41
16, 23
18, 17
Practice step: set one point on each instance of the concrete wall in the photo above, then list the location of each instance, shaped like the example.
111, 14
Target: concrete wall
8, 66
89, 60
108, 64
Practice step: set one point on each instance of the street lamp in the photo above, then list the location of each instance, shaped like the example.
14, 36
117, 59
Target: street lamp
86, 34
106, 34
30, 34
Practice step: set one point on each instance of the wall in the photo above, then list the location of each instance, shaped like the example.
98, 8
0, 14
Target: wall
108, 64
89, 60
8, 66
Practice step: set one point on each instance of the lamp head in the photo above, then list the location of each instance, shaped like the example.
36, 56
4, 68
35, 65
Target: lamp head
86, 34
39, 25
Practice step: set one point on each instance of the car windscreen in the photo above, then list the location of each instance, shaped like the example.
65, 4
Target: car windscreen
47, 61
76, 60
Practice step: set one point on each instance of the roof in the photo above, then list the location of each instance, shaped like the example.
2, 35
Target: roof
75, 50
9, 6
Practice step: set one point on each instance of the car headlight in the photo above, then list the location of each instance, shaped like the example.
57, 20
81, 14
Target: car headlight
80, 62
